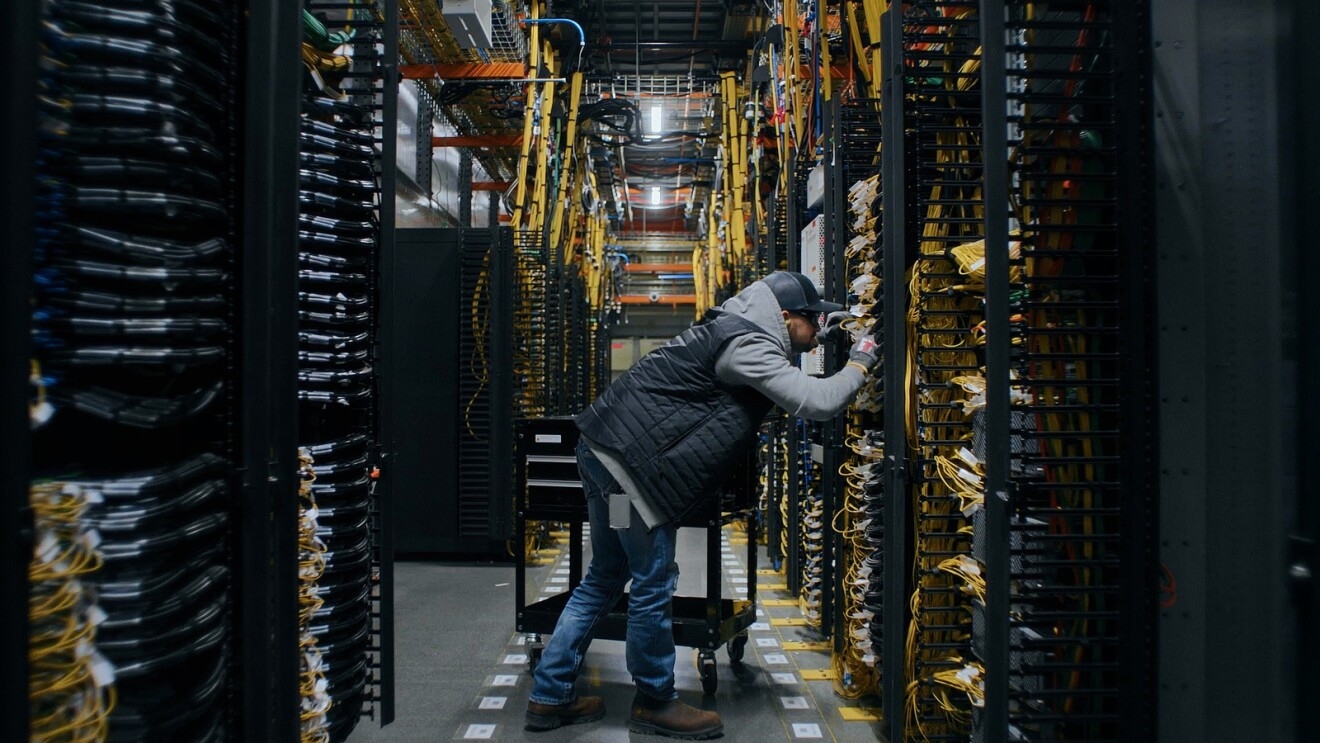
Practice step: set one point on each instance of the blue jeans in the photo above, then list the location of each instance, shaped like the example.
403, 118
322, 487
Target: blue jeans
616, 556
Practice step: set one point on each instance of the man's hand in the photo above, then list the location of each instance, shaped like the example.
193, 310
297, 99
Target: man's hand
832, 325
866, 351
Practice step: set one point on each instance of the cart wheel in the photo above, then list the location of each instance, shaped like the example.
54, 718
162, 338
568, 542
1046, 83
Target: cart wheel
534, 649
736, 647
706, 668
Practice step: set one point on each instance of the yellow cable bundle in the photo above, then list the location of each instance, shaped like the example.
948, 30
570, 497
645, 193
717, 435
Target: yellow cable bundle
70, 685
966, 680
314, 700
970, 259
855, 671
940, 320
812, 541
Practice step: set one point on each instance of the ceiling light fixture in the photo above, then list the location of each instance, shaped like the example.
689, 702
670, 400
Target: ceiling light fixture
655, 119
655, 195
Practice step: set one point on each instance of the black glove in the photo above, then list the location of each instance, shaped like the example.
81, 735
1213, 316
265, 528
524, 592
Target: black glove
832, 325
866, 351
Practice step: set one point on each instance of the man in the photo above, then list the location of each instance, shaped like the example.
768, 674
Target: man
661, 440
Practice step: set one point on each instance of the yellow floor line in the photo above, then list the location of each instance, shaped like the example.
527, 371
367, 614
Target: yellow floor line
778, 602
817, 674
773, 587
860, 714
789, 621
768, 571
806, 646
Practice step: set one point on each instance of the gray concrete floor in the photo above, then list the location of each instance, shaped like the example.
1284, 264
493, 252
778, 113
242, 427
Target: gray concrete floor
460, 670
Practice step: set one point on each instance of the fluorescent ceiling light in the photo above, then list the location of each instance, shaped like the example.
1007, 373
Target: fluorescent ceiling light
655, 194
655, 119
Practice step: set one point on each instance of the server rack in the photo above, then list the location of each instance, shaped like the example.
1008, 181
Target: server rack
458, 356
231, 454
99, 149
1062, 430
346, 185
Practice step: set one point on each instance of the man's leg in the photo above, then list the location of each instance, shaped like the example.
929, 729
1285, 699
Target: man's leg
656, 708
650, 606
554, 700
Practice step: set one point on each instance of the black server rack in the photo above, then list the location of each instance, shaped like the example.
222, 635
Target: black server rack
345, 220
1013, 197
150, 481
454, 359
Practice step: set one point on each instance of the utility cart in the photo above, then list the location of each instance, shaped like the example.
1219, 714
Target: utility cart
548, 489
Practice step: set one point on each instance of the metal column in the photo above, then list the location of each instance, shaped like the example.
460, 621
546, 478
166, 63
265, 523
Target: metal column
897, 559
267, 466
1138, 454
16, 222
1299, 85
385, 251
994, 159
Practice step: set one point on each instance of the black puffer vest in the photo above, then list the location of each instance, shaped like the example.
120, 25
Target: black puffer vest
679, 429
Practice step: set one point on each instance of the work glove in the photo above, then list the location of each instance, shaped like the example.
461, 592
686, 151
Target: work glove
832, 325
866, 351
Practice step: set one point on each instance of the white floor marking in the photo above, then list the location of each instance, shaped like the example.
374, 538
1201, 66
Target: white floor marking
479, 732
794, 702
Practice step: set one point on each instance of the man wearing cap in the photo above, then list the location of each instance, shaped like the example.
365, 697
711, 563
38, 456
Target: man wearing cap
662, 439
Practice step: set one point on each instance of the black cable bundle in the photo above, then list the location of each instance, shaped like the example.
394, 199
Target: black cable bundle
132, 337
132, 255
614, 117
338, 239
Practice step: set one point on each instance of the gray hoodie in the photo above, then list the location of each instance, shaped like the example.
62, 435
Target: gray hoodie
763, 362
766, 365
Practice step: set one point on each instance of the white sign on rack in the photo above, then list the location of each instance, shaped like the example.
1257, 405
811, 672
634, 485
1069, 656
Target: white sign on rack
812, 255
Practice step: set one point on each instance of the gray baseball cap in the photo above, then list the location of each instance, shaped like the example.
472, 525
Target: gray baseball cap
796, 293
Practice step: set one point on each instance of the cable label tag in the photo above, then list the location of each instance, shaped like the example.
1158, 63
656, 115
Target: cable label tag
103, 671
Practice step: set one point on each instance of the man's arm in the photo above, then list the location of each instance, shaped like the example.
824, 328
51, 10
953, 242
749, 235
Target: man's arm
758, 362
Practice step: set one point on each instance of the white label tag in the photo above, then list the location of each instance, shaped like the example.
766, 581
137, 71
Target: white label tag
103, 671
96, 615
549, 438
48, 549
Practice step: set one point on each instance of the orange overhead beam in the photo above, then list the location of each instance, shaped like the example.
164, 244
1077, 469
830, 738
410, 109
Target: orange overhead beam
659, 267
671, 299
656, 225
487, 140
490, 185
837, 71
466, 71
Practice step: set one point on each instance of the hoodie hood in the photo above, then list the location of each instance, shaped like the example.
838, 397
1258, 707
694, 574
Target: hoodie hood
757, 304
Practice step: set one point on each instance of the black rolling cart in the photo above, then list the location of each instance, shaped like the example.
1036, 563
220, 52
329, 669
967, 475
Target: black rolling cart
548, 489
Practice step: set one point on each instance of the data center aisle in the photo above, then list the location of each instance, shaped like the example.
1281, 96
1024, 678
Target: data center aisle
462, 672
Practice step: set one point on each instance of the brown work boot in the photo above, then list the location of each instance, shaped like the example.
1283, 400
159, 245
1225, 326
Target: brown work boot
673, 719
551, 716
